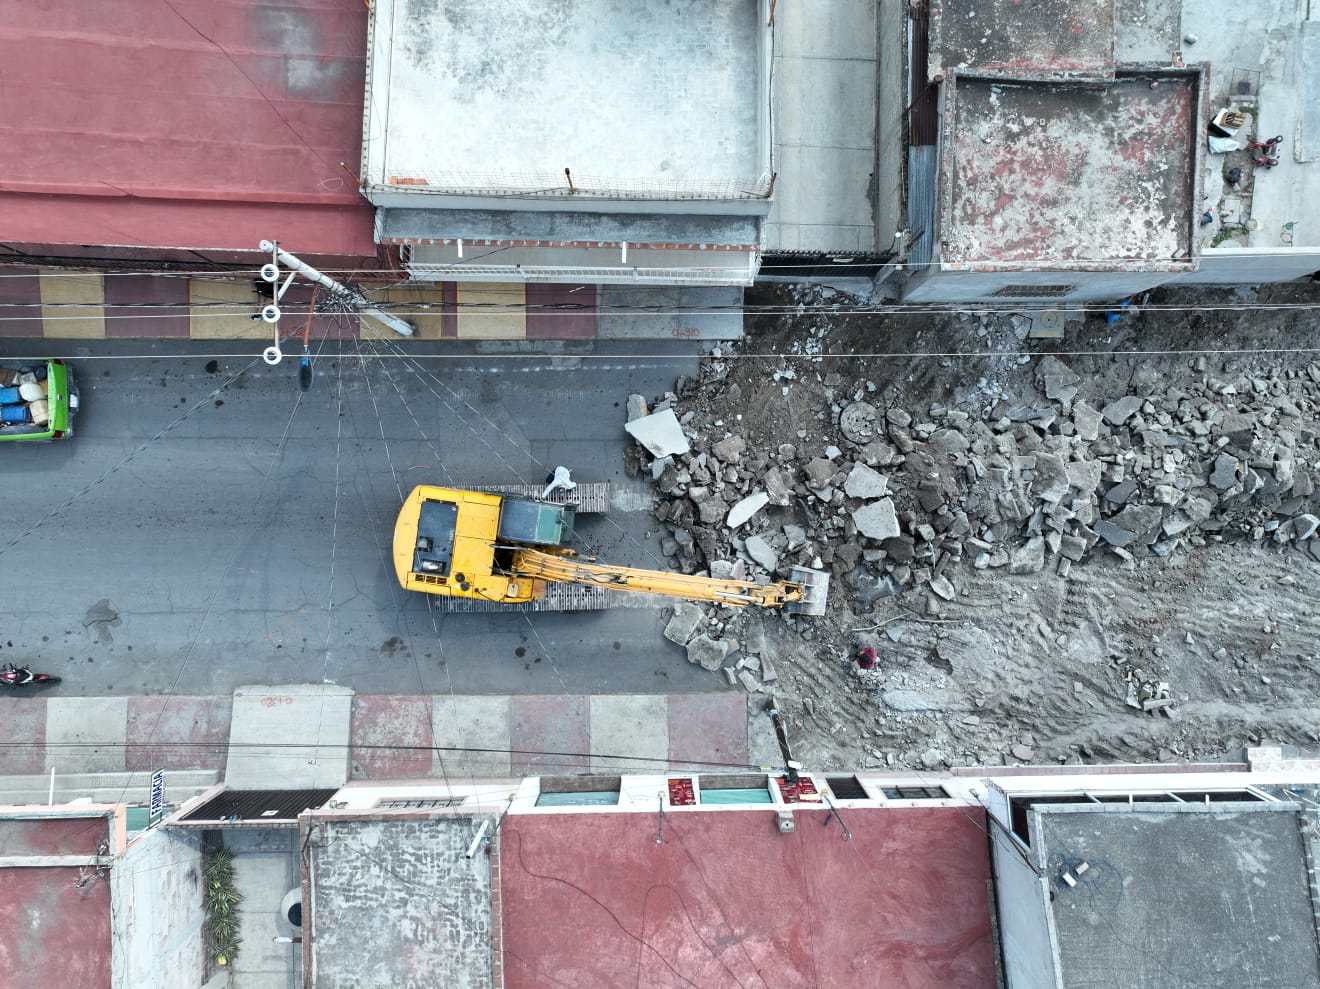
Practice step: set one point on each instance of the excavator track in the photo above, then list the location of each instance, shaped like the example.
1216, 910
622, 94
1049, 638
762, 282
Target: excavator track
558, 597
590, 498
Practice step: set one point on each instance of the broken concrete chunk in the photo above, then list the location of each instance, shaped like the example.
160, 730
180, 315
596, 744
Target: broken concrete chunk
1028, 558
706, 652
1224, 474
762, 552
746, 508
730, 449
1050, 482
1072, 548
796, 535
819, 471
660, 433
1087, 421
749, 680
778, 483
636, 407
863, 482
877, 520
730, 675
683, 623
942, 587
1120, 411
1143, 521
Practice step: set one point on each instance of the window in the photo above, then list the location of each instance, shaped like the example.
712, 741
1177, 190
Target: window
579, 791
847, 788
1034, 291
418, 804
916, 792
735, 788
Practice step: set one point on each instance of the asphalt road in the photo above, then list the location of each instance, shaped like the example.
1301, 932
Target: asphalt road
211, 526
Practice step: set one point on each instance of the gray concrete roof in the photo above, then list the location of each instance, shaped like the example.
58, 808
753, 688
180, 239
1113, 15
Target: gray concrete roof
1073, 38
396, 903
478, 95
1180, 898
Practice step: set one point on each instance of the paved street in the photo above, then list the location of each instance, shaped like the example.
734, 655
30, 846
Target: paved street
210, 525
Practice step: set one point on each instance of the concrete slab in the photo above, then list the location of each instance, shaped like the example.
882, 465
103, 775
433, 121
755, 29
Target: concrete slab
626, 312
71, 305
471, 723
177, 732
265, 868
549, 724
629, 725
660, 433
391, 737
427, 311
290, 737
25, 724
825, 85
220, 310
491, 311
397, 903
762, 745
706, 729
86, 734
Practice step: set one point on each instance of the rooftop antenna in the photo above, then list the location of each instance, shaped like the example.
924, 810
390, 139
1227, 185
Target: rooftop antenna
834, 813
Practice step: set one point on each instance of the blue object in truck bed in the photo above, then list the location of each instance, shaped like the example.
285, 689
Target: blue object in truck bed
15, 414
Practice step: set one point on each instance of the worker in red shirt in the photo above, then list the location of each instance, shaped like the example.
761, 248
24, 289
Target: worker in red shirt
866, 657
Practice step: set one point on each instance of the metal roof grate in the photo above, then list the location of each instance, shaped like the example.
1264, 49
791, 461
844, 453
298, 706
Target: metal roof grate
259, 806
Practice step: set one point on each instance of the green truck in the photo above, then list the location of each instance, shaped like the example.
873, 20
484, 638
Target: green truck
38, 400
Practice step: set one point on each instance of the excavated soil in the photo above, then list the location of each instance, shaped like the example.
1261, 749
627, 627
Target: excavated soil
1036, 666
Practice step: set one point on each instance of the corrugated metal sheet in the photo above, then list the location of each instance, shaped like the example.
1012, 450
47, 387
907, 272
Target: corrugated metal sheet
271, 807
923, 184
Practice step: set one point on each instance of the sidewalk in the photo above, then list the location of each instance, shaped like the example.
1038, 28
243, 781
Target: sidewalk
397, 737
59, 304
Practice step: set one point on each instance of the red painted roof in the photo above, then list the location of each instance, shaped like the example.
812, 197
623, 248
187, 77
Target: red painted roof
184, 123
729, 901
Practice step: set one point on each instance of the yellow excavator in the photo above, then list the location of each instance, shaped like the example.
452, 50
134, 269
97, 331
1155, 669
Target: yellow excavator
478, 550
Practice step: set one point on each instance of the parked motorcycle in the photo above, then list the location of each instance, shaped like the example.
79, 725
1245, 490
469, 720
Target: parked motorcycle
22, 676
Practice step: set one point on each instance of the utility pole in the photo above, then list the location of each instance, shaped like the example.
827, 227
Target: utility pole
348, 297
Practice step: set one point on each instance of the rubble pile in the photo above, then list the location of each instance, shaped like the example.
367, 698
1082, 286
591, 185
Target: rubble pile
893, 500
890, 501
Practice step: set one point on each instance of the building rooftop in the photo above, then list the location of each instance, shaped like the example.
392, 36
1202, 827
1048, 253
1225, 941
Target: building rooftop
728, 900
638, 100
1040, 172
1184, 896
395, 902
185, 124
1048, 37
53, 933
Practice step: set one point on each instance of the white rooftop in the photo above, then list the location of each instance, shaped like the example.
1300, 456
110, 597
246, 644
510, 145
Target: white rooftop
639, 100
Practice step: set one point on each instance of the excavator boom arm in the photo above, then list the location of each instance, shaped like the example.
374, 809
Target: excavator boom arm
735, 593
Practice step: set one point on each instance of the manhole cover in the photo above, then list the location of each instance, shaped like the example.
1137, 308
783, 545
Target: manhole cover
859, 423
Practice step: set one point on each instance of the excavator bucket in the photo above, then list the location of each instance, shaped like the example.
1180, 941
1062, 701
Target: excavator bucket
815, 586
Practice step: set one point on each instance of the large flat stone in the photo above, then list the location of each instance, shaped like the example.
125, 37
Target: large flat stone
660, 433
706, 652
863, 482
877, 520
746, 508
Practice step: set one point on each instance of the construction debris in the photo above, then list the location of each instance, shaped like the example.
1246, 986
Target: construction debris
1038, 472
